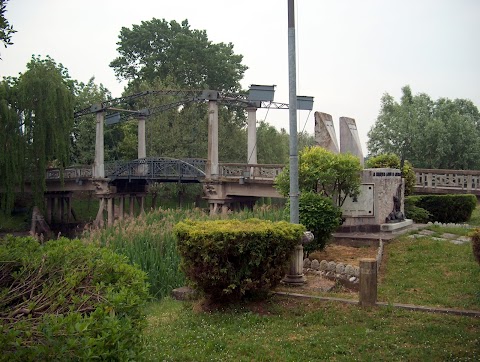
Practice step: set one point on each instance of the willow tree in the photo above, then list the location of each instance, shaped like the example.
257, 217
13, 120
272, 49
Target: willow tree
12, 147
44, 102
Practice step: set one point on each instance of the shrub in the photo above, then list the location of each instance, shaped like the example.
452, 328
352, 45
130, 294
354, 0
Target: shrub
67, 300
227, 259
417, 214
475, 236
446, 208
390, 160
334, 175
320, 216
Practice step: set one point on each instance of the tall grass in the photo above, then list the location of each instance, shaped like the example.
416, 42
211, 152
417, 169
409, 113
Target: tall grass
148, 241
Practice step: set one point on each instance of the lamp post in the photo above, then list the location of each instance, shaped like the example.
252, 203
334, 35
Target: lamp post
295, 275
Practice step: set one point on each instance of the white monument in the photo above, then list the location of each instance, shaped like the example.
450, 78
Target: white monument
325, 135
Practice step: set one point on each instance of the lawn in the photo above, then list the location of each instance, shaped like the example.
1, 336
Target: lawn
287, 329
415, 271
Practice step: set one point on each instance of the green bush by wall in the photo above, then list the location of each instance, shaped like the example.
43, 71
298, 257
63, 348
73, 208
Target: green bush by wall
227, 259
445, 208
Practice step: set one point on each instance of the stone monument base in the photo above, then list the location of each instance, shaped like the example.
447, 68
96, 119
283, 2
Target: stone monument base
395, 226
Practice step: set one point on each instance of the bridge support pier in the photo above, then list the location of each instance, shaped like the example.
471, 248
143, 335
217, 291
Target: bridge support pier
59, 207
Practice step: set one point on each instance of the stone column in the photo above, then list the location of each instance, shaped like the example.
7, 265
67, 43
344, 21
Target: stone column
110, 210
252, 136
325, 135
349, 139
295, 275
99, 163
132, 205
212, 158
142, 148
121, 207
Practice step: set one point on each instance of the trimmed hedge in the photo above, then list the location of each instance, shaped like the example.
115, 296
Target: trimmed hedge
227, 259
446, 208
65, 300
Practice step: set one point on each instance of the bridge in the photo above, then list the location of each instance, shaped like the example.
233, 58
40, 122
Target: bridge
225, 185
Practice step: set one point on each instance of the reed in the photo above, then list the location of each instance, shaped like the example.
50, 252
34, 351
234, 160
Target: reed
149, 243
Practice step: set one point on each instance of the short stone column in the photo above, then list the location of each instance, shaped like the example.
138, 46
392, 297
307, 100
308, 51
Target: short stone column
295, 275
368, 282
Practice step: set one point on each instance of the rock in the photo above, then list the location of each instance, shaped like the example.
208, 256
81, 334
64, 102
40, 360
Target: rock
332, 266
323, 265
307, 263
349, 270
352, 279
184, 293
315, 264
356, 272
340, 268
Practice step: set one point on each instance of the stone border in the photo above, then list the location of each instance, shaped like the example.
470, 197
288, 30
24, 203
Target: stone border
339, 271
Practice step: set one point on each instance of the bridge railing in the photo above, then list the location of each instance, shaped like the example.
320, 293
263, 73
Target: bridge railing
429, 180
70, 173
254, 172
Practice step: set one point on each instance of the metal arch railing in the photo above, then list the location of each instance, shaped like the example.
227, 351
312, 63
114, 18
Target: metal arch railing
162, 168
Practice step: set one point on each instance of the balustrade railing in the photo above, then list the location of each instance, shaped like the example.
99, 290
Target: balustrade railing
454, 180
253, 172
70, 173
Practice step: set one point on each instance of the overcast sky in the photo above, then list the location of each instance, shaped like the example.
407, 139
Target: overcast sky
349, 52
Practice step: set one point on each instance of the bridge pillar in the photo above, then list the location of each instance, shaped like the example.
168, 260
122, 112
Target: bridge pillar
252, 136
121, 207
132, 205
212, 158
142, 148
110, 210
99, 163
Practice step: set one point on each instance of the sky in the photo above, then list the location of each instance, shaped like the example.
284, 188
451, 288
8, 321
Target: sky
349, 52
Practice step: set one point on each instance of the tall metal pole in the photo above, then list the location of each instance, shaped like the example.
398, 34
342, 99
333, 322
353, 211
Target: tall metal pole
292, 86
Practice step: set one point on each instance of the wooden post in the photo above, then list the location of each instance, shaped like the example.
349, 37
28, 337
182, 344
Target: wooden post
368, 282
110, 210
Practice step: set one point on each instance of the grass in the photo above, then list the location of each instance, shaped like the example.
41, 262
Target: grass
430, 272
148, 242
285, 329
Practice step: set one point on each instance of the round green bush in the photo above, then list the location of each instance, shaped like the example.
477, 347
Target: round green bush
68, 300
230, 259
320, 216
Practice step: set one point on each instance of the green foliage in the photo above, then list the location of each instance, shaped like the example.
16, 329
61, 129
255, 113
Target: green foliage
161, 49
417, 214
445, 208
333, 175
475, 237
37, 110
227, 259
441, 134
6, 30
68, 300
389, 160
320, 216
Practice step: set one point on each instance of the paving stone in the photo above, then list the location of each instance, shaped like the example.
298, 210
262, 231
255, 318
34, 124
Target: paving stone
439, 239
426, 232
449, 236
459, 242
464, 238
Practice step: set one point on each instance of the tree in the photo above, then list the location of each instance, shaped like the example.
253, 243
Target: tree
431, 134
336, 176
42, 100
161, 49
6, 30
12, 146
